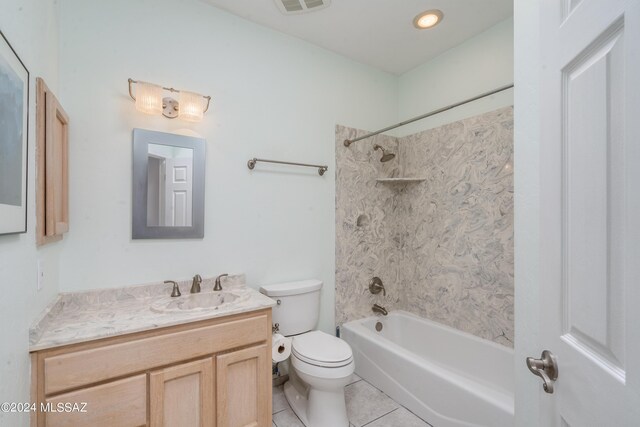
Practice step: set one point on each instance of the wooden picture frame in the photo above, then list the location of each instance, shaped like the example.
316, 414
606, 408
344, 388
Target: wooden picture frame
52, 158
14, 140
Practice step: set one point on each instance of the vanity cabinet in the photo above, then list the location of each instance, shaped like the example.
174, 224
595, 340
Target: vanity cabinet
215, 372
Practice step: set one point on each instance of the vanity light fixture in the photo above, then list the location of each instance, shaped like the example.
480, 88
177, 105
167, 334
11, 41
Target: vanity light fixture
428, 19
148, 97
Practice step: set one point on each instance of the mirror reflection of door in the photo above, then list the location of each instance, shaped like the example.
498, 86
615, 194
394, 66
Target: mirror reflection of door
169, 186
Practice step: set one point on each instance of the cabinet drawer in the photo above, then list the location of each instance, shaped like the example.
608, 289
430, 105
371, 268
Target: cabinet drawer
120, 403
75, 369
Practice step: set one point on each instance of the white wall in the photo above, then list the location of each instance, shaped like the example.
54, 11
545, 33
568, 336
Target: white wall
32, 29
527, 206
274, 96
477, 66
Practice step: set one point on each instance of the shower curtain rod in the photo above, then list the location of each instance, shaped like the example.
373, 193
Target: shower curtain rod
348, 142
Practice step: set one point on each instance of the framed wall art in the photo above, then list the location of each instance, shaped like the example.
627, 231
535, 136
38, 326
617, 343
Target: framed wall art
14, 118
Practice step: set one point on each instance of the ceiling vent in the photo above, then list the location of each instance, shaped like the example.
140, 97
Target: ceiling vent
294, 7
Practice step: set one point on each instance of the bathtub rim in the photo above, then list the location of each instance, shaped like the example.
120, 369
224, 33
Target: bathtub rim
437, 325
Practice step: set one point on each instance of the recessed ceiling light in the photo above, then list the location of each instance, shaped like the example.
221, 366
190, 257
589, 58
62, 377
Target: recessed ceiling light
428, 19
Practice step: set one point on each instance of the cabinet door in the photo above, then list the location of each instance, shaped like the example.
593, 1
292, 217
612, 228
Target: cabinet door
121, 403
182, 395
244, 388
52, 195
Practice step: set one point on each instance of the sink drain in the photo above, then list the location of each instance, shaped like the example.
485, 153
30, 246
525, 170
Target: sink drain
378, 326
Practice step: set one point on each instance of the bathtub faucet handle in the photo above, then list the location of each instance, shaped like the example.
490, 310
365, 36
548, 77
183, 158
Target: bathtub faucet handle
375, 286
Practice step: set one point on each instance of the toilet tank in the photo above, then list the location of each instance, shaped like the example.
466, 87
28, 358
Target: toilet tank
298, 305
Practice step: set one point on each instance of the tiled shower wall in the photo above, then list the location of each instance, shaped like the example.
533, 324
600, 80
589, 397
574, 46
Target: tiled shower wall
367, 235
444, 246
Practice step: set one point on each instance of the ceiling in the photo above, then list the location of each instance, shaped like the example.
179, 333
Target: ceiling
379, 33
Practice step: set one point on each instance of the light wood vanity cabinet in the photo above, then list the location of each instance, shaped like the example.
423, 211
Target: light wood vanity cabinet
209, 373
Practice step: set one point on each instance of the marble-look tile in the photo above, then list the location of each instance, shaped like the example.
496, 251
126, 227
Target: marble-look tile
366, 403
287, 418
279, 400
443, 247
399, 417
457, 245
365, 231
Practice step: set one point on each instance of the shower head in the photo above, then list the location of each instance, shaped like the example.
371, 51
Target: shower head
385, 156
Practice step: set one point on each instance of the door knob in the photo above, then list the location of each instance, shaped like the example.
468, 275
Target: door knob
546, 368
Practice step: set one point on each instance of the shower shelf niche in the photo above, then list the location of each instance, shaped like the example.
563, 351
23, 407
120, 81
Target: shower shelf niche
412, 180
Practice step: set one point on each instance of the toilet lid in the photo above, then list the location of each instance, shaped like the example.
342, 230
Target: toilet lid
321, 349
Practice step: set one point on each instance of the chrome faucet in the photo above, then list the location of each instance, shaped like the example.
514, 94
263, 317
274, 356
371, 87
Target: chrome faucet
379, 309
195, 285
176, 289
218, 286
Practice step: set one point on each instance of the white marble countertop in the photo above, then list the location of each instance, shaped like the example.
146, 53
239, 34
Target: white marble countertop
85, 316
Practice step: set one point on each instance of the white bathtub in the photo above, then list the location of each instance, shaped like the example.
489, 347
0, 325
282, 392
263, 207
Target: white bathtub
445, 376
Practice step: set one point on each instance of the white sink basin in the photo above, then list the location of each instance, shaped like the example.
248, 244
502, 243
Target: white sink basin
192, 302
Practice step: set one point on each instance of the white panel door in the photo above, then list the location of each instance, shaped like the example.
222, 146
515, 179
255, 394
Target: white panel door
590, 210
178, 192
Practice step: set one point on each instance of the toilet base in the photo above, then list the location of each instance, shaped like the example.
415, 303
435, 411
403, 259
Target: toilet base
316, 408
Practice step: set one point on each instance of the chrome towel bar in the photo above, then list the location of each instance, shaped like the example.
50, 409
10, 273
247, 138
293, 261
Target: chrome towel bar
321, 168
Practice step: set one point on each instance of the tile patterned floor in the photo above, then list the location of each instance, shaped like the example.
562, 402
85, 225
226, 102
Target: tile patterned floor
366, 406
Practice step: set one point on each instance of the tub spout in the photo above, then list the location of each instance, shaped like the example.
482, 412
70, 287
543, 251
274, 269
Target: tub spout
379, 309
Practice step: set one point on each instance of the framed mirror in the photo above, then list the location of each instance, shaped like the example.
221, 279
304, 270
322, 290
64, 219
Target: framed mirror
168, 186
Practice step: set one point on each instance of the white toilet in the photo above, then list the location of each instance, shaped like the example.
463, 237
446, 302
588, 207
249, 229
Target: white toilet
321, 365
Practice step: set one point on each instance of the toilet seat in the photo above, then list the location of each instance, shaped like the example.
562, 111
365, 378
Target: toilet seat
322, 350
322, 372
